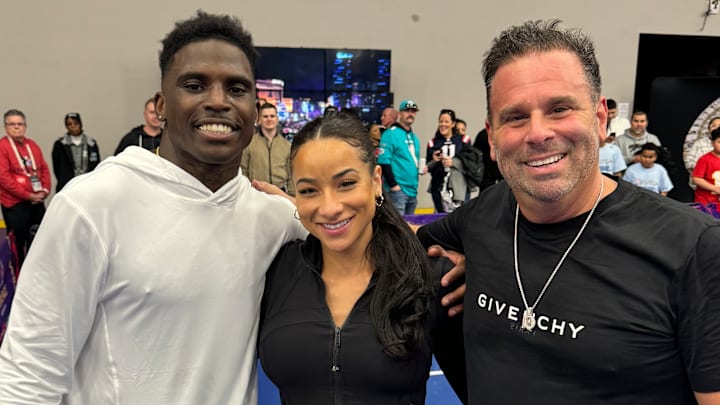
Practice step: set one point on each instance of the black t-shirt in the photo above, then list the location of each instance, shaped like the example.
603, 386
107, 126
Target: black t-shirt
632, 316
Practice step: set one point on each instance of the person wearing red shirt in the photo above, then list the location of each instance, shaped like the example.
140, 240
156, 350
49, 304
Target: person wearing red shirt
706, 174
24, 182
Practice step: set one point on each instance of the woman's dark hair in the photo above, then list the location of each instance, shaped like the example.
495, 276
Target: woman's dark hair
451, 113
400, 305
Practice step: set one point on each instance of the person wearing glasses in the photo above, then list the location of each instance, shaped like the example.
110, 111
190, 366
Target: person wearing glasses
24, 182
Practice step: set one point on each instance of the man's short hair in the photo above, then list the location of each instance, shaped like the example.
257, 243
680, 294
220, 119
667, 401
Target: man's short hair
14, 112
611, 104
638, 112
203, 27
268, 105
541, 36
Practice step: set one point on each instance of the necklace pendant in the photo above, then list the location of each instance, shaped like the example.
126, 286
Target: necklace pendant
528, 320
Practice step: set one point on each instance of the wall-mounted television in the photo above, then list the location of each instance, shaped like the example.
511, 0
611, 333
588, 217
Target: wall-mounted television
301, 82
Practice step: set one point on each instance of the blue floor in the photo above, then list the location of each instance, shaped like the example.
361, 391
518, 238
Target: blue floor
438, 389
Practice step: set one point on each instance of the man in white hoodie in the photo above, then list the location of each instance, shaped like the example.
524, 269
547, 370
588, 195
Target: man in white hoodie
144, 282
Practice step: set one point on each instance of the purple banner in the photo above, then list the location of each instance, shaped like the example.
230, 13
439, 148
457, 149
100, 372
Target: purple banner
7, 282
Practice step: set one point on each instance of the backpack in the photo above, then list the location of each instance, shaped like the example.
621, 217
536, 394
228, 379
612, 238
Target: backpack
473, 168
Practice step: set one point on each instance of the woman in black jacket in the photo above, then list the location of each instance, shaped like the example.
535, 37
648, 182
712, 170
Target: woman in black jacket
74, 153
350, 315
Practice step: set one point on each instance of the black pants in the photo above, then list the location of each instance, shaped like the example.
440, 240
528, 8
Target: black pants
20, 219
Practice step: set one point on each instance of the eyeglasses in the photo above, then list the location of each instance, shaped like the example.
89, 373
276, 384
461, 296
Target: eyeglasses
14, 124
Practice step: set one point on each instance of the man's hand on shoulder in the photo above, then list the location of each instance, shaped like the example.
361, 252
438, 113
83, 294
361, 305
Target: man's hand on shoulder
454, 299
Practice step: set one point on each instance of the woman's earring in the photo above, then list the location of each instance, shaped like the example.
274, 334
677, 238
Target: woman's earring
379, 200
296, 215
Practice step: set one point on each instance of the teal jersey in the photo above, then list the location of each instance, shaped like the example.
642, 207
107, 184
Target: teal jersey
396, 146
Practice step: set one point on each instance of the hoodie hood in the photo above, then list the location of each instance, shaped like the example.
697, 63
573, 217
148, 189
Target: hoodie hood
172, 179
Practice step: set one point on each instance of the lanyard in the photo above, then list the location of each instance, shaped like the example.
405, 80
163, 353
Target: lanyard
19, 158
411, 147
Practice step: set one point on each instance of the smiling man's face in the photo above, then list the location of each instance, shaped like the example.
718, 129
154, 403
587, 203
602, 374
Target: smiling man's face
208, 100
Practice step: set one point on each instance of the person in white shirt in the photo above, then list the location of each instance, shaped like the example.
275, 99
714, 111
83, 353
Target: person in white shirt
616, 125
152, 295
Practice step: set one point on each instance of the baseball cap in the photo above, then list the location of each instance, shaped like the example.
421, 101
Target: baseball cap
73, 115
408, 105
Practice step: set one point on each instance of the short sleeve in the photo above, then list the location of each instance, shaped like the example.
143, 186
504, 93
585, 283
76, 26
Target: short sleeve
697, 294
447, 230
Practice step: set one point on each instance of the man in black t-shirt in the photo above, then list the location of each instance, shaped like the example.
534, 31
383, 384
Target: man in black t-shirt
580, 289
146, 136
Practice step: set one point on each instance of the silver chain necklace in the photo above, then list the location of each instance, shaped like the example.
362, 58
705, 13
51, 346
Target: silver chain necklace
528, 319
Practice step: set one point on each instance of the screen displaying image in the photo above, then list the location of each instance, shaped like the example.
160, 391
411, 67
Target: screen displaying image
357, 70
298, 68
301, 82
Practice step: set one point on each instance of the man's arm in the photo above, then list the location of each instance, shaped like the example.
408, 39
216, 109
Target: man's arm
697, 294
706, 185
389, 177
53, 308
271, 189
708, 398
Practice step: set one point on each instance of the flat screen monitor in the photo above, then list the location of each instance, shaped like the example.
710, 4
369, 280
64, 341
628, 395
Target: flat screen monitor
301, 82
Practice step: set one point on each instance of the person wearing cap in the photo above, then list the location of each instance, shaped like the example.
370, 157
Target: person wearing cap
24, 182
74, 153
399, 157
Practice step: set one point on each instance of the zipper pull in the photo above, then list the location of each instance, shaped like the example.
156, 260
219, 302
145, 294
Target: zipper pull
335, 366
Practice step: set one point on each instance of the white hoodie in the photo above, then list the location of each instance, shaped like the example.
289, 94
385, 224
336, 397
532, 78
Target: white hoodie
143, 287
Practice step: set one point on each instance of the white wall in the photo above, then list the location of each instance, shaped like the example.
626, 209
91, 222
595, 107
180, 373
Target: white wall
99, 58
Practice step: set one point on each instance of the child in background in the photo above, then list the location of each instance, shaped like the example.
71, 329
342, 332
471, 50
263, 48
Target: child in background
611, 159
647, 174
706, 174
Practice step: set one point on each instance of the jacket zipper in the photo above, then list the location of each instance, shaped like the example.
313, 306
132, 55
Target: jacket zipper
335, 368
270, 175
